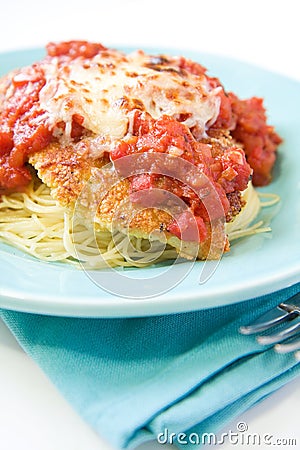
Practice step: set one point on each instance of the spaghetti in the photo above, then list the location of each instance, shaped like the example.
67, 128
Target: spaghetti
37, 224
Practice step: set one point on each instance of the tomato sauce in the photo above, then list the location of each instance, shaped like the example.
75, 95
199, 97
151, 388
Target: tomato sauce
23, 127
227, 172
259, 140
22, 130
247, 121
74, 49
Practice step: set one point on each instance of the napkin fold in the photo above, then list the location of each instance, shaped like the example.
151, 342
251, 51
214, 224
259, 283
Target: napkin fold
170, 378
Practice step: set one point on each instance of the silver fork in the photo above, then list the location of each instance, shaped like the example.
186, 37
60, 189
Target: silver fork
285, 313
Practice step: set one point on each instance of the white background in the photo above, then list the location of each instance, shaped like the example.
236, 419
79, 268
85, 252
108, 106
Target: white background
262, 31
33, 415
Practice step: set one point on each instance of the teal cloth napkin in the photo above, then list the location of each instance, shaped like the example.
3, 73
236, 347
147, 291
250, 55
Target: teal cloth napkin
138, 379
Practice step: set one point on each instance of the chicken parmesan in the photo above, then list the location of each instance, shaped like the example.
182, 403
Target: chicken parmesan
145, 146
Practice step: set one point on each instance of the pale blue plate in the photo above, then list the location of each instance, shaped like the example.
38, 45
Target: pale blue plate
255, 265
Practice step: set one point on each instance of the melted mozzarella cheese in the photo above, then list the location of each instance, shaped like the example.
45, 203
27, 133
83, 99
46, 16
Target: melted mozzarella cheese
105, 88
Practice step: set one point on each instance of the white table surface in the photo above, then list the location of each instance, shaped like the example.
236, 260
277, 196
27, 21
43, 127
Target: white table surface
33, 414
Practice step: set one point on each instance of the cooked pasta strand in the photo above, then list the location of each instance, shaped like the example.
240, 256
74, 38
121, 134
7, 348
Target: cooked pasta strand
35, 223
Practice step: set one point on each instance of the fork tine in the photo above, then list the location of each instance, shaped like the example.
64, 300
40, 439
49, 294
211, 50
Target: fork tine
287, 348
284, 312
278, 337
273, 317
